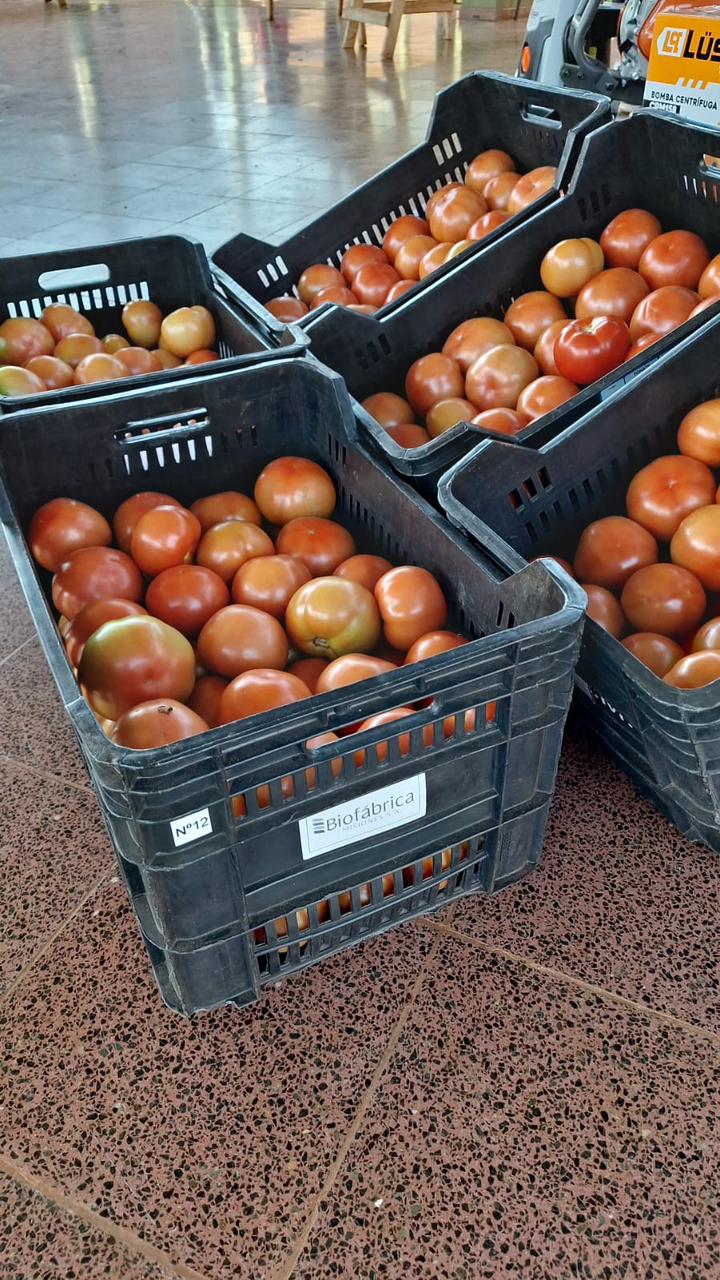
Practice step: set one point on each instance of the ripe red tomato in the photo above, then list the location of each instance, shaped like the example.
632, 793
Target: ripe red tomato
156, 724
351, 668
62, 320
588, 349
695, 670
707, 636
401, 230
373, 282
569, 265
316, 278
62, 526
269, 583
677, 257
22, 338
239, 638
132, 660
287, 309
531, 187
696, 545
387, 409
218, 507
186, 596
430, 261
340, 297
321, 544
455, 213
709, 284
260, 690
663, 310
76, 347
129, 512
397, 290
531, 314
53, 372
416, 252
664, 598
331, 616
604, 609
542, 396
640, 344
308, 670
495, 379
408, 435
615, 292
98, 367
610, 550
488, 165
290, 487
137, 360
205, 699
544, 349
380, 749
699, 433
364, 569
90, 617
498, 191
447, 413
95, 573
411, 603
503, 422
357, 256
163, 537
666, 490
657, 652
489, 222
227, 546
627, 236
428, 646
473, 338
431, 378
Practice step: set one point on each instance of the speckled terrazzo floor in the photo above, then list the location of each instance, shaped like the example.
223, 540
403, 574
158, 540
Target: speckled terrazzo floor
521, 1087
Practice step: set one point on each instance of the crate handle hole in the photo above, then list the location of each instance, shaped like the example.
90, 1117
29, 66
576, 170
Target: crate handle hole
74, 277
541, 117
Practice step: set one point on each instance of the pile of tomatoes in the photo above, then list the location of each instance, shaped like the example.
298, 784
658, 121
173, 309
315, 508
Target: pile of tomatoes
61, 349
655, 572
198, 616
627, 290
456, 217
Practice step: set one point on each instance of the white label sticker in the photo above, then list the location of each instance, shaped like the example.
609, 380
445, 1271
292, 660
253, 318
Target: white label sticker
368, 815
192, 826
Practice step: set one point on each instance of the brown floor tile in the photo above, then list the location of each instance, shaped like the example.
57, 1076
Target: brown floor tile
53, 850
39, 1241
15, 621
524, 1130
620, 900
207, 1139
34, 727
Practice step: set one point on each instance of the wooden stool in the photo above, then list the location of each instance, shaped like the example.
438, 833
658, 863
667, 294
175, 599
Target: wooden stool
388, 14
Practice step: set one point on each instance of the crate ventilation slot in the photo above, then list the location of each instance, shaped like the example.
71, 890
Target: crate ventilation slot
90, 299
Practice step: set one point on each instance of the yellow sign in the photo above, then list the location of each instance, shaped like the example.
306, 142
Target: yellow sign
684, 72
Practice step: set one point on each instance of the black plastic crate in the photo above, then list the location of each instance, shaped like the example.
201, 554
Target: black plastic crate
173, 271
208, 879
648, 160
520, 503
537, 125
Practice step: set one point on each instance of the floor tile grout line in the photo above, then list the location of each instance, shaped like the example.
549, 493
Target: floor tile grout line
53, 937
78, 1209
590, 988
286, 1270
47, 776
6, 657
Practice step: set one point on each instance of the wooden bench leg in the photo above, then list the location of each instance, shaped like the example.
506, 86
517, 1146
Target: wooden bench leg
363, 36
397, 8
351, 30
270, 10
